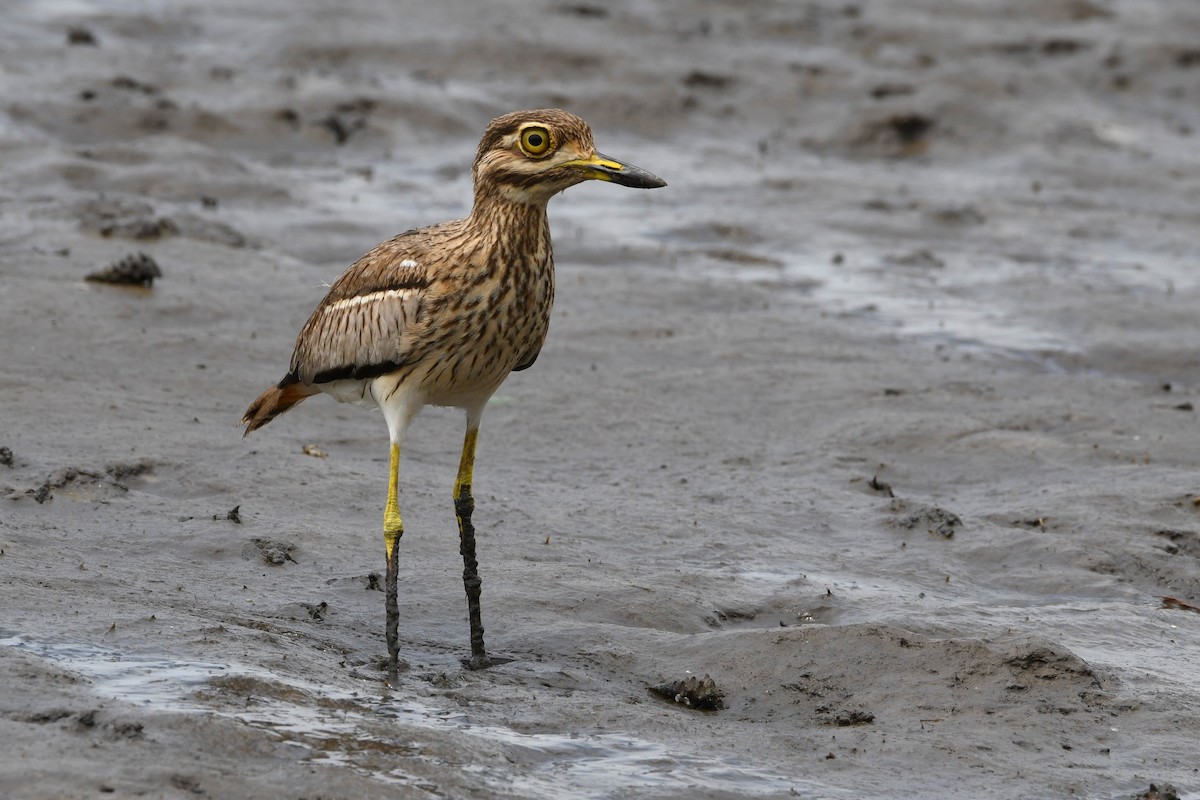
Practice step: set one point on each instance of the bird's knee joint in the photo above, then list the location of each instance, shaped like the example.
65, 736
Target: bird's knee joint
391, 537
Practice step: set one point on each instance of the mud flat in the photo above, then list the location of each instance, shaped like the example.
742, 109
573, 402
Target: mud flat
882, 415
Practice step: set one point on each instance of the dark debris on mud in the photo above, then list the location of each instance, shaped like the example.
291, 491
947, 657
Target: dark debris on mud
348, 118
233, 515
78, 35
880, 486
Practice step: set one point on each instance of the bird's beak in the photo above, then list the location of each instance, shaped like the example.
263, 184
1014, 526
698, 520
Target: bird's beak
601, 167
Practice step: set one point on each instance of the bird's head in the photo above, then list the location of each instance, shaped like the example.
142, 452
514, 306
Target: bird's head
529, 156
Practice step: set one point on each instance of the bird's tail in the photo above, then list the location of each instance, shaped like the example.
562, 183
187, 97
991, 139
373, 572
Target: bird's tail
273, 402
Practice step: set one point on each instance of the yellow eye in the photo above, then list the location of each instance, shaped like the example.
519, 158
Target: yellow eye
535, 141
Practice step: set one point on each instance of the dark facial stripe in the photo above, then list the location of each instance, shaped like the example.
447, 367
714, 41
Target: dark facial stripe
523, 180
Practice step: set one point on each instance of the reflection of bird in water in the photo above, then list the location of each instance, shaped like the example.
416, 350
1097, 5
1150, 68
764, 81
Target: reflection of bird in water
442, 315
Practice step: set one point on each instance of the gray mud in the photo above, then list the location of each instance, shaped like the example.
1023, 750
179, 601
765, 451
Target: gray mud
882, 415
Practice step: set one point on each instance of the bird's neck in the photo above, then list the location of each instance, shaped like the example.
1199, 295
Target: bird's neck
505, 221
494, 208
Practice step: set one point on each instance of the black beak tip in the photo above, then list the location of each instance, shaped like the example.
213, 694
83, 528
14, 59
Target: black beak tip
627, 174
637, 178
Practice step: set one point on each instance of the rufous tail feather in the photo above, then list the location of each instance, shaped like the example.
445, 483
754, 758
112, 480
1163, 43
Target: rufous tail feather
273, 402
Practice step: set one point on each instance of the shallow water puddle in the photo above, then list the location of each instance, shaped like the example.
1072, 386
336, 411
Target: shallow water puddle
335, 727
608, 763
160, 683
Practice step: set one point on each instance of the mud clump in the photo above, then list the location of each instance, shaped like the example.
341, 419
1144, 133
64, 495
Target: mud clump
78, 35
136, 269
700, 693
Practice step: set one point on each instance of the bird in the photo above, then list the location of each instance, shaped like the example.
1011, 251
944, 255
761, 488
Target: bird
442, 315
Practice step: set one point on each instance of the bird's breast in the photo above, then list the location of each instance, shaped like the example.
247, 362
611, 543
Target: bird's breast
498, 317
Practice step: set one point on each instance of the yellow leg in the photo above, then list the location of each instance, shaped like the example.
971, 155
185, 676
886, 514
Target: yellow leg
393, 527
466, 466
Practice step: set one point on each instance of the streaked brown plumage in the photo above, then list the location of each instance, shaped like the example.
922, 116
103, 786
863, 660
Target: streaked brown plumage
442, 315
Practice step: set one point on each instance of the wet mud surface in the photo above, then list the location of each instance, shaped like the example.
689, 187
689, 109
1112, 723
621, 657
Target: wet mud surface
881, 416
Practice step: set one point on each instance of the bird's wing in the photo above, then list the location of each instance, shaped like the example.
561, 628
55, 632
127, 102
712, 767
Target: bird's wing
371, 321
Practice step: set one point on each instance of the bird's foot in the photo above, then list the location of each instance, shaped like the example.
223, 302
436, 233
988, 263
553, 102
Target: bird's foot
478, 662
392, 665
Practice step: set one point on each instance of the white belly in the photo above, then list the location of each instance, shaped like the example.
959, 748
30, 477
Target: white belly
350, 391
412, 390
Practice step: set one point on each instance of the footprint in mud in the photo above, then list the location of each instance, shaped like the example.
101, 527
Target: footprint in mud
1036, 665
371, 582
76, 483
122, 218
84, 721
930, 519
270, 551
314, 612
846, 719
114, 217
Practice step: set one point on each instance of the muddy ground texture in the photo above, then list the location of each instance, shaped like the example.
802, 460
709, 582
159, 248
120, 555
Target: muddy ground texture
882, 414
